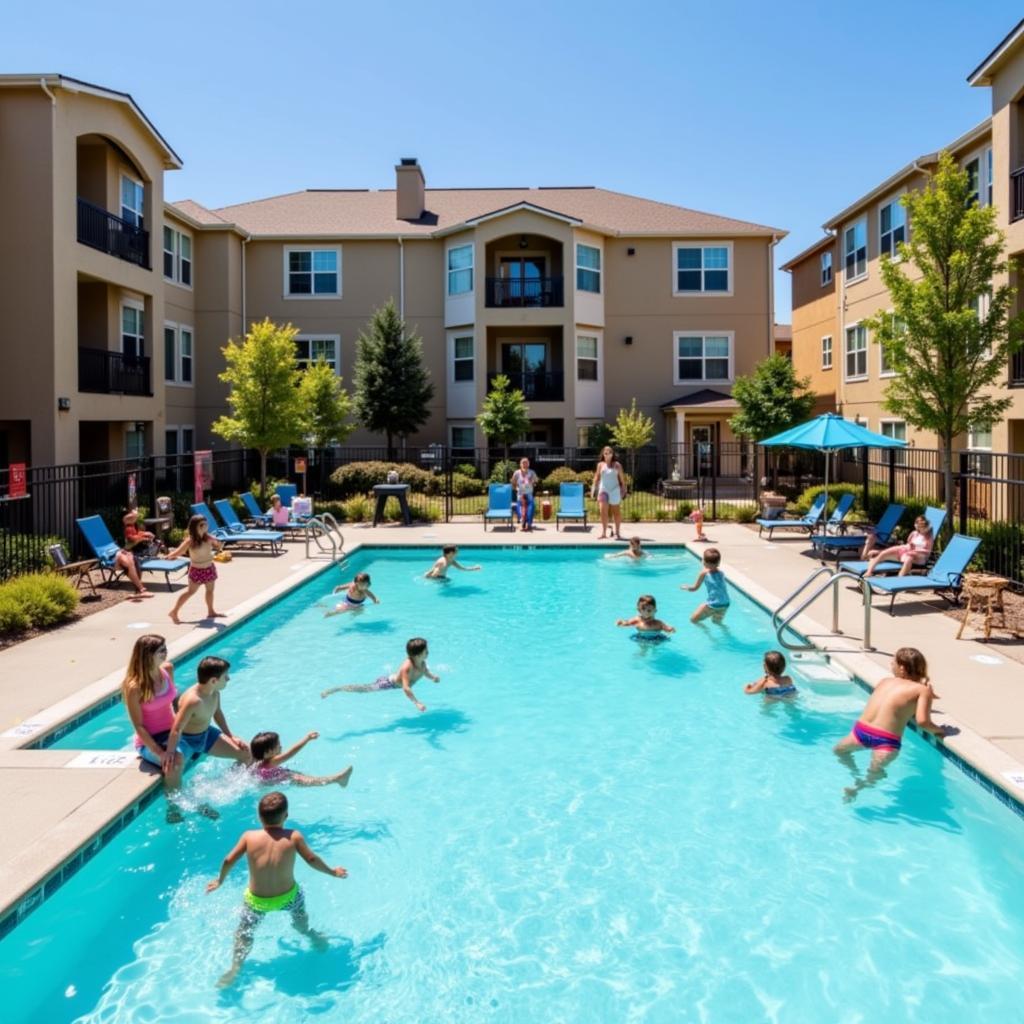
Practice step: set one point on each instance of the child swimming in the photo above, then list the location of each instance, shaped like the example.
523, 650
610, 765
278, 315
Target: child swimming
633, 551
357, 590
646, 625
439, 570
268, 758
409, 673
773, 684
713, 579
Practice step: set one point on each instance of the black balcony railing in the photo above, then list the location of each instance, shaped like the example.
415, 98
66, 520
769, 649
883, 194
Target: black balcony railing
536, 385
102, 230
524, 291
112, 373
1017, 369
1017, 194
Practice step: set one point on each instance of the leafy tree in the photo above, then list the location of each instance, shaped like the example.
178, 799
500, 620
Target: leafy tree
949, 334
266, 409
326, 406
392, 386
631, 431
504, 416
771, 399
599, 435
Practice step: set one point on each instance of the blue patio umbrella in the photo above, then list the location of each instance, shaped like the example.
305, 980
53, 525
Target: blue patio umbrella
830, 433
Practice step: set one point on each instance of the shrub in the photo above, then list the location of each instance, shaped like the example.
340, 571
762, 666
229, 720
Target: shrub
272, 482
334, 508
1002, 544
467, 469
25, 552
466, 487
683, 510
36, 599
501, 472
13, 618
660, 515
562, 475
360, 477
357, 509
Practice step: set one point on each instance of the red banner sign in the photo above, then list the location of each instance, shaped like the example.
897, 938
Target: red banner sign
203, 462
17, 480
300, 465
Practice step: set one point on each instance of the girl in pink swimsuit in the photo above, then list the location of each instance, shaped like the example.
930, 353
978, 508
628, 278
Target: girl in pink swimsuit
915, 552
200, 547
268, 759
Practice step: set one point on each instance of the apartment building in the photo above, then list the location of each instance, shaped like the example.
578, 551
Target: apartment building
586, 298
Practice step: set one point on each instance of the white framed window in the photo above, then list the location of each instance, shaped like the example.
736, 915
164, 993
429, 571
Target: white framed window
826, 268
979, 442
897, 430
185, 336
462, 435
462, 358
178, 354
702, 269
177, 257
981, 305
310, 348
179, 440
856, 363
313, 272
460, 269
588, 268
700, 357
170, 353
892, 228
133, 331
134, 444
132, 201
855, 251
826, 352
586, 357
898, 327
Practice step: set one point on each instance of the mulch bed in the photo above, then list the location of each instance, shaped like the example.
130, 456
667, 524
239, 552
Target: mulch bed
1007, 626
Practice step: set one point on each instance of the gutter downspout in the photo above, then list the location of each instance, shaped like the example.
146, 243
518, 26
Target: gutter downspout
771, 294
401, 277
245, 242
46, 89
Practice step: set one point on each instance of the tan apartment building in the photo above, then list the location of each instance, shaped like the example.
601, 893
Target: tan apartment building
586, 298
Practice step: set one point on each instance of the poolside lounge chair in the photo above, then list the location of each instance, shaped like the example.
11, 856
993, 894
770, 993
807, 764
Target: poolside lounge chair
825, 543
286, 492
944, 578
242, 536
936, 518
105, 548
227, 512
252, 508
571, 504
808, 522
499, 505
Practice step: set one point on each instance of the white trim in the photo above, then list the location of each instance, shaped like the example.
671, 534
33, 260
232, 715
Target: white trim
177, 429
831, 268
597, 378
141, 214
984, 184
461, 425
321, 336
852, 226
692, 381
140, 306
287, 250
449, 249
590, 270
176, 258
831, 352
178, 381
884, 204
702, 244
453, 336
867, 369
521, 205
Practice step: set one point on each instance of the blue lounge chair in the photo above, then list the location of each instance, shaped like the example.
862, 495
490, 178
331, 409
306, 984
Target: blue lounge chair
499, 505
253, 509
243, 536
230, 517
825, 543
286, 492
809, 522
944, 578
936, 518
105, 549
571, 504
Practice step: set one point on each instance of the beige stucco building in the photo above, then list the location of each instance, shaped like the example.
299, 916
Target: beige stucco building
586, 298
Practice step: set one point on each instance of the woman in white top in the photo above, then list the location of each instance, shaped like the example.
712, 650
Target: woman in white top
524, 480
609, 490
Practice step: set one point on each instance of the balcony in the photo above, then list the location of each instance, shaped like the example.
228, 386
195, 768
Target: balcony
102, 230
519, 292
1017, 194
536, 385
1017, 369
102, 372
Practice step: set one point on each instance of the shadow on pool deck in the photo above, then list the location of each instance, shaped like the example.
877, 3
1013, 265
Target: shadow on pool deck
431, 725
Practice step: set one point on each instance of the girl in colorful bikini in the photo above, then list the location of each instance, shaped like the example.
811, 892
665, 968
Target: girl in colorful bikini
268, 758
200, 548
356, 592
411, 671
773, 684
914, 553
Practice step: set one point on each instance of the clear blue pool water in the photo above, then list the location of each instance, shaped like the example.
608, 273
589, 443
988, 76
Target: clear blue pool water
578, 829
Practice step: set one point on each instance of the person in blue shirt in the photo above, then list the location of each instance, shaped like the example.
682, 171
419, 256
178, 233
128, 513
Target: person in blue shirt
717, 603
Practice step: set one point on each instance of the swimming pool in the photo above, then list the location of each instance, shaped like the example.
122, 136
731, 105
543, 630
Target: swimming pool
580, 828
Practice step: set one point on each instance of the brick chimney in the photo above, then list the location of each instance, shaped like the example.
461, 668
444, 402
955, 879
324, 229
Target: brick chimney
409, 188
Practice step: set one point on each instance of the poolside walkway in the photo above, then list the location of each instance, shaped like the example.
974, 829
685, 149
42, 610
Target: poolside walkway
62, 799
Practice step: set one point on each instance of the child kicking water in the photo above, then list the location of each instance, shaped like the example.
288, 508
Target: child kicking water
356, 591
268, 758
270, 851
411, 671
647, 626
439, 570
773, 684
713, 579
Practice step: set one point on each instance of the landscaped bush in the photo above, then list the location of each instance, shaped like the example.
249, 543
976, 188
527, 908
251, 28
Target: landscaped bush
565, 475
361, 477
683, 510
35, 600
466, 487
272, 482
1001, 545
467, 469
334, 508
358, 509
878, 501
744, 512
501, 471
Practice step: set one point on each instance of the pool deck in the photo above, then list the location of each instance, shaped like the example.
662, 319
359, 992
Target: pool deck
59, 800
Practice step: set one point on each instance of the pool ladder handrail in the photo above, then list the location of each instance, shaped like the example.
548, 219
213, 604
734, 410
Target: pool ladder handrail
835, 577
325, 525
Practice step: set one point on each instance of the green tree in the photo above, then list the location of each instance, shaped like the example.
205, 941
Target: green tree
393, 388
949, 334
771, 399
266, 409
326, 406
599, 435
631, 431
504, 417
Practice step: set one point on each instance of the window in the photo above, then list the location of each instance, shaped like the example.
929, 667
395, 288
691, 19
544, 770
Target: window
826, 352
702, 269
981, 305
855, 248
463, 437
170, 353
979, 440
897, 430
856, 353
312, 272
185, 355
133, 341
588, 269
884, 368
460, 269
178, 354
177, 257
462, 359
178, 441
586, 357
134, 444
988, 175
826, 268
892, 228
132, 196
703, 357
310, 349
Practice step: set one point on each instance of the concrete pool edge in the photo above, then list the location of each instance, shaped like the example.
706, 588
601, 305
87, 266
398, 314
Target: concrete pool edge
129, 791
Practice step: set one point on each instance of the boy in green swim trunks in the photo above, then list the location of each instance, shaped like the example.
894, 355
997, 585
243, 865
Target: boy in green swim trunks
270, 851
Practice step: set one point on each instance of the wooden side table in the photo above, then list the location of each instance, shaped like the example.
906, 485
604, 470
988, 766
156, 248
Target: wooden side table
984, 596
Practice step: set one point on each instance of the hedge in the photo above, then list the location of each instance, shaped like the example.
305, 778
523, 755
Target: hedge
360, 478
25, 552
878, 501
36, 600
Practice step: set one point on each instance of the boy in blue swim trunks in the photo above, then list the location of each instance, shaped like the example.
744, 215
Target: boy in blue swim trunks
412, 670
713, 579
356, 591
773, 684
647, 626
270, 851
193, 733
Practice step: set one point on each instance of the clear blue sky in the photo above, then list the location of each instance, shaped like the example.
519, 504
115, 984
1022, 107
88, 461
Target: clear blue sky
780, 113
